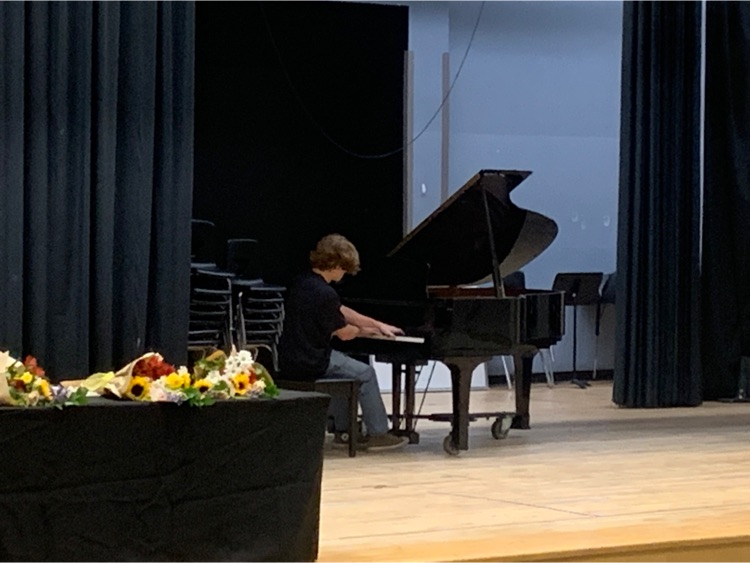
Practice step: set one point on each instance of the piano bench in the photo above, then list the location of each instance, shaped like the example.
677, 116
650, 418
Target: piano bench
347, 388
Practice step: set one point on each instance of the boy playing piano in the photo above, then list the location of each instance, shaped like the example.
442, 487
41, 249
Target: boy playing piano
313, 315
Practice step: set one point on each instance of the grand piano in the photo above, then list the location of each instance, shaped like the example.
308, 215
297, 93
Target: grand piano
443, 282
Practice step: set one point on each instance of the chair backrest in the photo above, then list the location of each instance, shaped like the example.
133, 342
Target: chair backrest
243, 258
516, 280
260, 318
211, 306
203, 242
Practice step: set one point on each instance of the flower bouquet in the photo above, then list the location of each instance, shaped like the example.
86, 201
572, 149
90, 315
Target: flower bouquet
25, 384
218, 376
236, 375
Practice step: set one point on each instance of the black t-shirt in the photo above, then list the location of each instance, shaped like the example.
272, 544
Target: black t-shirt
312, 314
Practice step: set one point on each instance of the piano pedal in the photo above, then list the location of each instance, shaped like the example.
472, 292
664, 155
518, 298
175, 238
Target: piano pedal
410, 434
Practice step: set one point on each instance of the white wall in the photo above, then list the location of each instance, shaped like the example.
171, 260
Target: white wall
539, 90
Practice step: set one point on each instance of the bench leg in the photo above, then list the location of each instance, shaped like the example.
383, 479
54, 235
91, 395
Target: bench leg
353, 424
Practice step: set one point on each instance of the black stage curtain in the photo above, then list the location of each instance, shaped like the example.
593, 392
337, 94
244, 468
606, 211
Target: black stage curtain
97, 134
657, 360
726, 207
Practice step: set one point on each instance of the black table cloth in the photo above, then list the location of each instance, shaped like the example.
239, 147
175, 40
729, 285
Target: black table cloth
119, 480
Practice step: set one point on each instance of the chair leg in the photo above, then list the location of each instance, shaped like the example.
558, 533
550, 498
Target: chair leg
546, 354
507, 373
596, 356
353, 424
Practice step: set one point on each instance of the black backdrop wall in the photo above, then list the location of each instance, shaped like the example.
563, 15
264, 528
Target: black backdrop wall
293, 101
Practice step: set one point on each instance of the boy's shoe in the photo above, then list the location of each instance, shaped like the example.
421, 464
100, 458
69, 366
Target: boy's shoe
341, 440
380, 442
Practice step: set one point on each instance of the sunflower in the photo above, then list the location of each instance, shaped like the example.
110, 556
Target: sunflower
138, 388
241, 383
177, 380
203, 385
26, 378
44, 388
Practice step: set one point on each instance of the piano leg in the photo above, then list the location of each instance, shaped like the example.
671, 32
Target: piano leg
406, 374
461, 371
396, 370
523, 362
410, 391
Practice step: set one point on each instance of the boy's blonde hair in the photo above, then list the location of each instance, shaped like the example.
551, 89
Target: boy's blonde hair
333, 251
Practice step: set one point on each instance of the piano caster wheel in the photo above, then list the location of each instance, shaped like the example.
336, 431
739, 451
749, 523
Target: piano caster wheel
449, 447
500, 428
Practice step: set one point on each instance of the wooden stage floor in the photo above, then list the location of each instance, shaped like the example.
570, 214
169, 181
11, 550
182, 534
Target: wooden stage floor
589, 482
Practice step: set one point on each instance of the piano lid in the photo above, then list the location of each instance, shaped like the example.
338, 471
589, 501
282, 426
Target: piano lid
457, 239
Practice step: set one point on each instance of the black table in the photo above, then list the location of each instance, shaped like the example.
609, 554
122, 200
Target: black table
117, 480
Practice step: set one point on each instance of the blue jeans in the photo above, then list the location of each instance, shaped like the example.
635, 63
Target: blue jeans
374, 416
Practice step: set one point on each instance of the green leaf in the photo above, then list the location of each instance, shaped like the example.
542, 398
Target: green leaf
271, 390
78, 397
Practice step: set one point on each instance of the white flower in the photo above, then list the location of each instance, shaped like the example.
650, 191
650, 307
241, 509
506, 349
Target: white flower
258, 387
214, 376
245, 356
239, 362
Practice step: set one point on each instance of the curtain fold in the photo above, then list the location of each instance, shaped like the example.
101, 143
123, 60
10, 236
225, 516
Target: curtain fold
172, 202
56, 160
98, 125
726, 240
11, 177
657, 360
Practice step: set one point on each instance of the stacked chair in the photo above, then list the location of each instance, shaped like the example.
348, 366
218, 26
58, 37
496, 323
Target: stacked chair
244, 259
211, 324
203, 244
260, 318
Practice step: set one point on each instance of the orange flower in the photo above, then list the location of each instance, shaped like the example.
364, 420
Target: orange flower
32, 367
